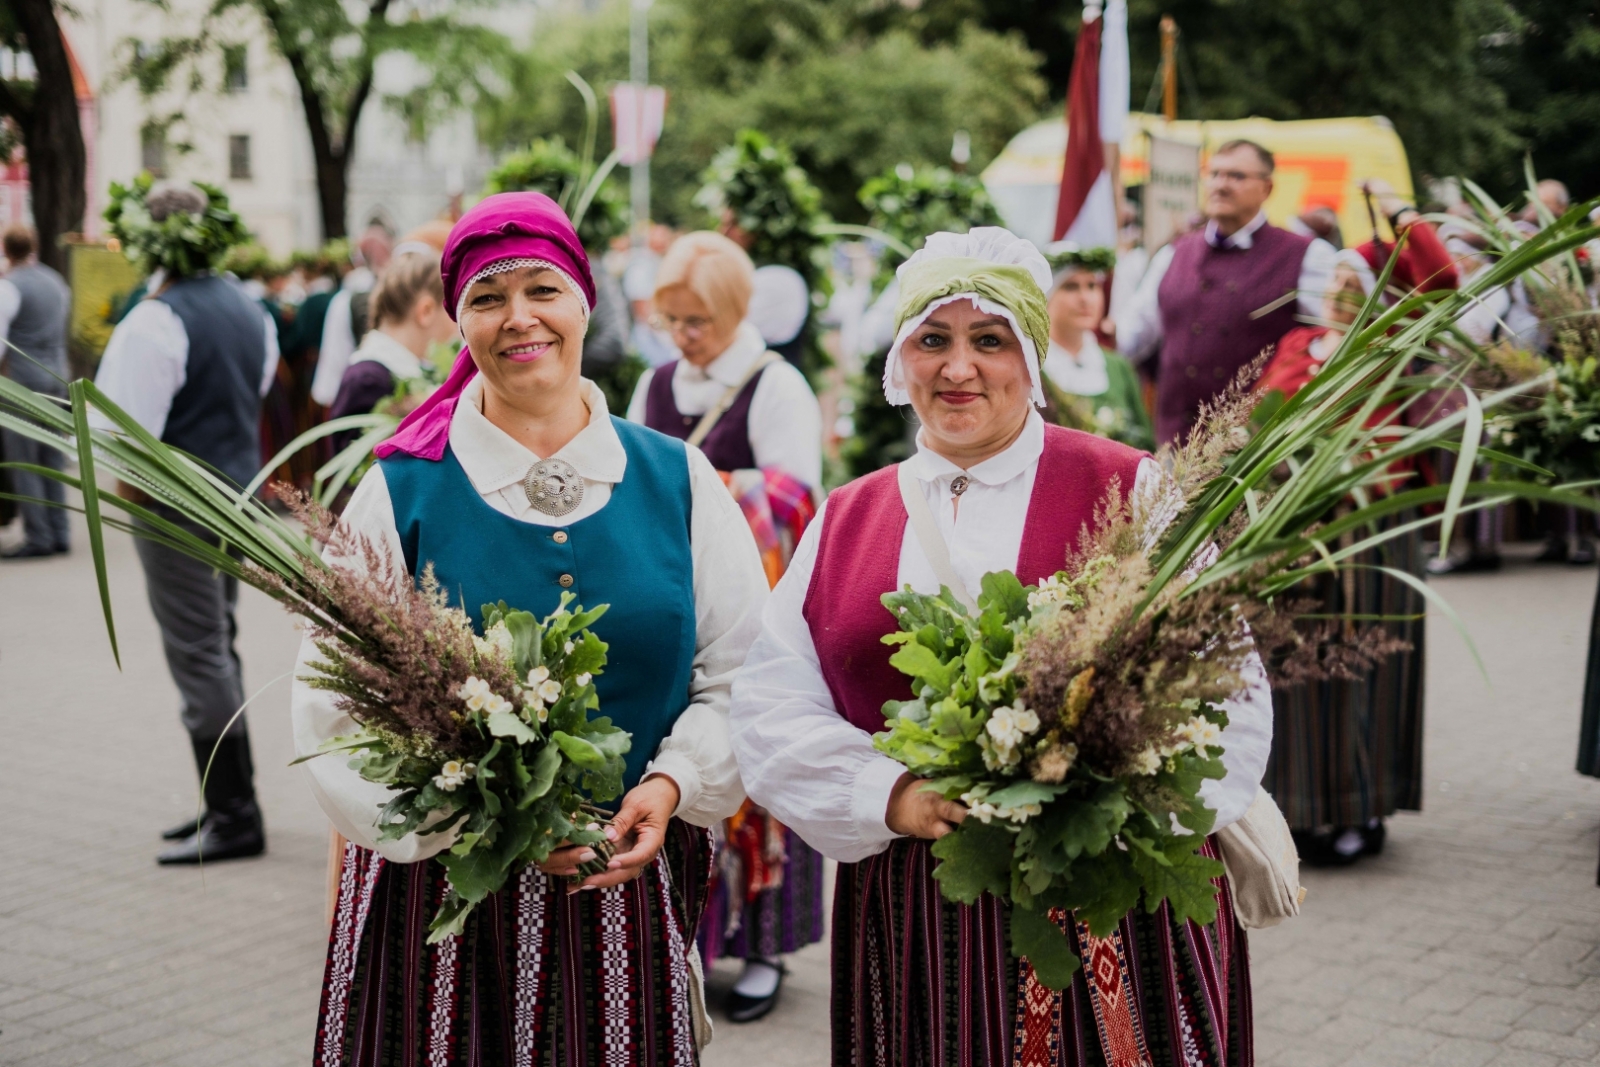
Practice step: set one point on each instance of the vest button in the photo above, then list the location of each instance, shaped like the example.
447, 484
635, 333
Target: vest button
565, 580
559, 537
1190, 370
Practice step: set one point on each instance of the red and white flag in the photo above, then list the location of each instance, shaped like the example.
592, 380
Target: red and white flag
1097, 111
636, 120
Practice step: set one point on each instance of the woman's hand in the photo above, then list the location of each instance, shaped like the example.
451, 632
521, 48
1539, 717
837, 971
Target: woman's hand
638, 831
915, 812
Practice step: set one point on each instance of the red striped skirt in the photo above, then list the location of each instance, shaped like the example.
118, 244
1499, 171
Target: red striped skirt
919, 981
538, 976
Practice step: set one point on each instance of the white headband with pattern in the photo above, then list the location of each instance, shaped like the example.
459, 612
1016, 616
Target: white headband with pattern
503, 266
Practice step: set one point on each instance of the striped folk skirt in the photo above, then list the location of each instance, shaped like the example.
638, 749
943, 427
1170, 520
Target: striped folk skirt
1344, 752
919, 981
602, 978
766, 891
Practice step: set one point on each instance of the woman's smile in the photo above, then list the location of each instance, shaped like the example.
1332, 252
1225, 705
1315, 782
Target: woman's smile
959, 397
526, 351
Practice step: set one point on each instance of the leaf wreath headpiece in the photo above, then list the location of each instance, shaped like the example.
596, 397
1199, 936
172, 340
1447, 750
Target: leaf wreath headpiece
183, 229
1065, 256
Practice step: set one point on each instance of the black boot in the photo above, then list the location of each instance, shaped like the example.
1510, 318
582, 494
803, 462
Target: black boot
232, 827
182, 830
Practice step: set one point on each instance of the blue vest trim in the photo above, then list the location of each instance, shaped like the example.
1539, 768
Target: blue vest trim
633, 554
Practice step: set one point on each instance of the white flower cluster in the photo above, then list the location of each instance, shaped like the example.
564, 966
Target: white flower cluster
454, 774
479, 697
496, 642
1051, 591
980, 808
1199, 733
542, 691
1008, 727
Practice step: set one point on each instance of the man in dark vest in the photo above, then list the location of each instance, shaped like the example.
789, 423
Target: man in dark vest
1220, 296
191, 363
34, 306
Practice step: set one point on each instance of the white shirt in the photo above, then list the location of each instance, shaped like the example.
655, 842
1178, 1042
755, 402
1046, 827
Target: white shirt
379, 347
729, 590
146, 362
818, 773
10, 304
1140, 336
1081, 375
338, 341
785, 423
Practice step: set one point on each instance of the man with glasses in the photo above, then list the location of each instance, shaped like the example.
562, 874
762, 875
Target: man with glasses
1221, 295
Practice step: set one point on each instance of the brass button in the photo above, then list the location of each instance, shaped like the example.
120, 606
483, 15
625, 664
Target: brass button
1190, 371
559, 537
565, 580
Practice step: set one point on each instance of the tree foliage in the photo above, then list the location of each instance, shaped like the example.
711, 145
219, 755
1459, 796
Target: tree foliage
548, 166
332, 49
818, 76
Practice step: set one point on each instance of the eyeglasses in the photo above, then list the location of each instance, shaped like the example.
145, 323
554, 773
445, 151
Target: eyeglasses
1236, 177
693, 326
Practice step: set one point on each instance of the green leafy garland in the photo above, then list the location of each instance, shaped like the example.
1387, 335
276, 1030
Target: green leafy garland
1099, 260
771, 198
548, 166
180, 244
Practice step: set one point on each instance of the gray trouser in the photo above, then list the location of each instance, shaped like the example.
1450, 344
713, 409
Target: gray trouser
194, 606
45, 526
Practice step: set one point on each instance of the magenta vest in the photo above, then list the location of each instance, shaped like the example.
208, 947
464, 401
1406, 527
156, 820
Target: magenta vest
727, 446
855, 567
1206, 299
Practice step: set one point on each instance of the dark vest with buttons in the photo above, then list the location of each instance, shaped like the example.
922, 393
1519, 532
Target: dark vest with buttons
633, 554
216, 415
39, 329
1206, 300
727, 446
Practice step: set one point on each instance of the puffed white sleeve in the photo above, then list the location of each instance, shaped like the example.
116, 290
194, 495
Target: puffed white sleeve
730, 587
351, 802
800, 758
786, 425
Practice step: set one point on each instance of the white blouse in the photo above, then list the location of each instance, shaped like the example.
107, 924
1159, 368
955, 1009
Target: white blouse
785, 424
818, 773
1083, 374
729, 590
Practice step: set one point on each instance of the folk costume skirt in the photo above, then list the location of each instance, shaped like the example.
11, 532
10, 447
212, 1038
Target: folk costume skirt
766, 890
921, 982
1344, 752
539, 978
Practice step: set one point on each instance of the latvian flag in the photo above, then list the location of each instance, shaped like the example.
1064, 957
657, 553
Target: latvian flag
1097, 109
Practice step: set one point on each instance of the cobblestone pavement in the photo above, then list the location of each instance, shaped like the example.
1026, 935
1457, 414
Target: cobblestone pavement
1472, 940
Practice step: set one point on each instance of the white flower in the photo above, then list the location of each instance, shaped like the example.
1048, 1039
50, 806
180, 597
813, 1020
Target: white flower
538, 674
584, 679
1147, 761
476, 692
453, 774
1200, 732
496, 642
550, 690
496, 703
985, 811
569, 647
1051, 591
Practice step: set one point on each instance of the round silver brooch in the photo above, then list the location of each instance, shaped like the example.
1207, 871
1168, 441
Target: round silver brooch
958, 484
553, 486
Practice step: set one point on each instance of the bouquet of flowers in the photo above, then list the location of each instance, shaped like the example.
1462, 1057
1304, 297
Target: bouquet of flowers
488, 736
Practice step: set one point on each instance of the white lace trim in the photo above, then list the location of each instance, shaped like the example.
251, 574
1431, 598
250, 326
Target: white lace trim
502, 266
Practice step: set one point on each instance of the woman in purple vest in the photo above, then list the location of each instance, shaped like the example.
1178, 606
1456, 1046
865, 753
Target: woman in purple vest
757, 421
918, 979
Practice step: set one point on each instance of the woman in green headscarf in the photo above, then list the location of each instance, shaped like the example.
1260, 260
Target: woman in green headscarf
1088, 388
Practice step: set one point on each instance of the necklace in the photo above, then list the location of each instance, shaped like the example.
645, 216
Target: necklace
553, 486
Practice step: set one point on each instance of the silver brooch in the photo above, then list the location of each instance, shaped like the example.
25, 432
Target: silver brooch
958, 484
553, 486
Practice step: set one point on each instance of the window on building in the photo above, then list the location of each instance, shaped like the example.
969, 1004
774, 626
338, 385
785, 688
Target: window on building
235, 68
153, 150
239, 156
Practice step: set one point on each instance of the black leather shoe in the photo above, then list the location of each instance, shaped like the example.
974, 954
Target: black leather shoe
1374, 835
743, 1009
182, 830
1476, 563
27, 552
1582, 553
1318, 848
236, 836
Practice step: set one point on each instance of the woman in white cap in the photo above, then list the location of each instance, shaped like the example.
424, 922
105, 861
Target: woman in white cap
918, 979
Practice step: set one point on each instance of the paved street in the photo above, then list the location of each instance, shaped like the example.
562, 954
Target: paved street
1472, 940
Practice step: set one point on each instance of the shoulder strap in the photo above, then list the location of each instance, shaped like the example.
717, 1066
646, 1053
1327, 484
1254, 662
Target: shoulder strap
927, 531
709, 420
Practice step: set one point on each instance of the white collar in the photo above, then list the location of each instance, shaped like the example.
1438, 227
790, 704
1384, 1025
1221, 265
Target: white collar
1090, 356
1243, 237
379, 347
1021, 454
729, 368
494, 460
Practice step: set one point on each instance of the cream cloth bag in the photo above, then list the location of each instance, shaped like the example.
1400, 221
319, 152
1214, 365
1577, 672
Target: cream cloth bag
1263, 865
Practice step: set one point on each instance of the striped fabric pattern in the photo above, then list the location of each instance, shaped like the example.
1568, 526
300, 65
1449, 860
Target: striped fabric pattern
779, 920
922, 982
539, 977
1344, 752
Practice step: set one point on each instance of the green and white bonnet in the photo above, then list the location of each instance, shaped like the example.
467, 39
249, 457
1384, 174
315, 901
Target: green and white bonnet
999, 272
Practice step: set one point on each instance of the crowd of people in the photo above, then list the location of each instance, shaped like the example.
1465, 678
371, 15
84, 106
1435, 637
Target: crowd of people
752, 671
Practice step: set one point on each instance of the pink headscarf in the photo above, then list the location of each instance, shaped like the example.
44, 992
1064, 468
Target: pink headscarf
506, 226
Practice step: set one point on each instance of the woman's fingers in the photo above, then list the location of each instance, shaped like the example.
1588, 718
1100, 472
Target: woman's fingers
951, 812
647, 841
564, 861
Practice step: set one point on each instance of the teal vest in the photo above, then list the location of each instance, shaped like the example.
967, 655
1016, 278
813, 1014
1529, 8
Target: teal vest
632, 554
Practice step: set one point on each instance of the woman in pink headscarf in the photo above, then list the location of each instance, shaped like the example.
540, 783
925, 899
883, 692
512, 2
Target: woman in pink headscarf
515, 483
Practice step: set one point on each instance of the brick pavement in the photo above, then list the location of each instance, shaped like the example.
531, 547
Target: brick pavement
1472, 941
